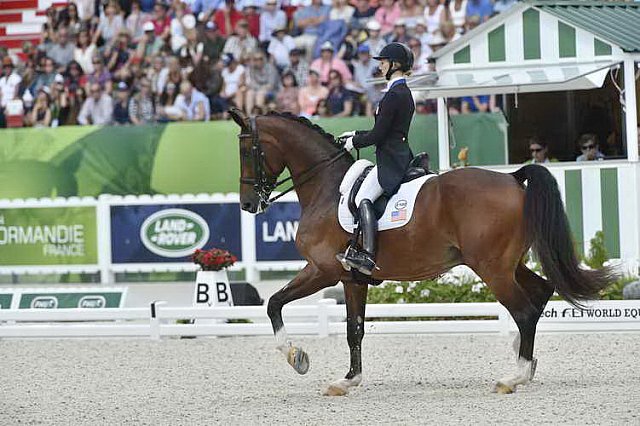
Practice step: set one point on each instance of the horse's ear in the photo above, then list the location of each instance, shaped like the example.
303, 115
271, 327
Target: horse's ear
239, 117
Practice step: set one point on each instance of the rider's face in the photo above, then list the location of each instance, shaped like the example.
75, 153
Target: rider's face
384, 66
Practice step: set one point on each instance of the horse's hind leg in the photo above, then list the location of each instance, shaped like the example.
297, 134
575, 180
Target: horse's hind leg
307, 282
517, 301
356, 300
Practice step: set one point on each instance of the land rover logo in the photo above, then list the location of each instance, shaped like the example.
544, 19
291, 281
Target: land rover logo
174, 232
92, 302
44, 302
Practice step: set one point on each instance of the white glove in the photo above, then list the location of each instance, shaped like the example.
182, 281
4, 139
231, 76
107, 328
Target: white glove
348, 143
347, 134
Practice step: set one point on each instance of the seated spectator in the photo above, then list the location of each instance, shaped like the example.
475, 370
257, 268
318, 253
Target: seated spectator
448, 31
59, 101
100, 75
287, 98
41, 113
157, 75
136, 20
271, 19
539, 151
227, 18
207, 78
420, 58
387, 15
364, 69
474, 104
165, 110
298, 66
309, 20
349, 46
341, 10
250, 14
327, 62
161, 21
279, 47
118, 54
75, 101
45, 77
86, 9
363, 13
410, 12
339, 100
322, 109
172, 73
98, 108
84, 52
590, 147
191, 53
74, 77
375, 41
241, 44
149, 44
110, 23
177, 26
193, 104
434, 15
233, 86
213, 42
311, 94
482, 9
420, 33
458, 14
61, 51
69, 18
399, 33
9, 83
262, 81
141, 105
121, 105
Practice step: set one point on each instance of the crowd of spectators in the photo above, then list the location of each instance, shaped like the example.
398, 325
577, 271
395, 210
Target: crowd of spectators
143, 61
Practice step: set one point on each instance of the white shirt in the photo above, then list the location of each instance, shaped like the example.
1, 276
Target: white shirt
345, 13
393, 80
433, 21
84, 58
8, 87
232, 80
280, 50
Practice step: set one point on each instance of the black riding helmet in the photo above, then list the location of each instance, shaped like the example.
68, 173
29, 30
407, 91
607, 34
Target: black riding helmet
396, 52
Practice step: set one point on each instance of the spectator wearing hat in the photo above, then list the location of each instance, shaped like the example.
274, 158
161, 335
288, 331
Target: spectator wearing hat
98, 108
241, 44
310, 94
141, 105
213, 42
84, 51
250, 13
434, 15
193, 104
227, 18
386, 15
262, 81
363, 13
121, 105
41, 112
328, 62
61, 51
309, 20
9, 82
339, 99
59, 99
458, 14
287, 97
279, 47
149, 44
136, 20
271, 19
341, 10
364, 69
375, 41
109, 24
298, 66
399, 33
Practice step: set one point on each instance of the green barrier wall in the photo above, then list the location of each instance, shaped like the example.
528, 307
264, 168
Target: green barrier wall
181, 158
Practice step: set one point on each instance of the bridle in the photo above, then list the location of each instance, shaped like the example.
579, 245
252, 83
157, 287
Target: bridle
265, 182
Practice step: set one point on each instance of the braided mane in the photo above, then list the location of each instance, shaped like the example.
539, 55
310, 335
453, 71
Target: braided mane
307, 123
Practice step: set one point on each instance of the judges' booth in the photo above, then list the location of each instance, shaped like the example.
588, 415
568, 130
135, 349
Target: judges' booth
558, 69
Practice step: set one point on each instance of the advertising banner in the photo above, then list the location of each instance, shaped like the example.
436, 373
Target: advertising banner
172, 232
62, 299
48, 236
276, 232
5, 300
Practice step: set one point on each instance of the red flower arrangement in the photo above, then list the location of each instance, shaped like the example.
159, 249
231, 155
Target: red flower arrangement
214, 259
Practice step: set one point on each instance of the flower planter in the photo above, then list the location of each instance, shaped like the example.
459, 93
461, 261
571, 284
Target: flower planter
212, 289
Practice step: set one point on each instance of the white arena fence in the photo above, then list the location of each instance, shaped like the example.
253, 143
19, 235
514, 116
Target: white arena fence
322, 319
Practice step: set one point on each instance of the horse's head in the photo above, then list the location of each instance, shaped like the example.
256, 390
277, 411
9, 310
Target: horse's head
260, 163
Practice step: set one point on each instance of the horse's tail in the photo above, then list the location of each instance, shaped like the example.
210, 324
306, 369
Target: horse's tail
547, 227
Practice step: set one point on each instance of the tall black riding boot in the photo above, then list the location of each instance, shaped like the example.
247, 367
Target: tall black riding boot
364, 261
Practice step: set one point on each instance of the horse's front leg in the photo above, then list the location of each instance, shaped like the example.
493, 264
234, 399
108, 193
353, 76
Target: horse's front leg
356, 300
307, 282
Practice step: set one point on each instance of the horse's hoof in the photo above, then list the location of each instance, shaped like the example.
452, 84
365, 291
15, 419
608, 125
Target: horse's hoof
298, 359
503, 389
335, 390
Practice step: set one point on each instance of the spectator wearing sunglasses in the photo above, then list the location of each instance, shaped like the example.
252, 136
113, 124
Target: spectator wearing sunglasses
590, 148
539, 151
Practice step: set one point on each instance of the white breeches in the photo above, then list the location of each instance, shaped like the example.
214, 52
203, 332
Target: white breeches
370, 188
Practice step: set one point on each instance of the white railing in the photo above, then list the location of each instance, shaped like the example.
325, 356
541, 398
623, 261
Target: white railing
323, 319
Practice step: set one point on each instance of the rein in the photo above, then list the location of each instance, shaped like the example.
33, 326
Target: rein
263, 183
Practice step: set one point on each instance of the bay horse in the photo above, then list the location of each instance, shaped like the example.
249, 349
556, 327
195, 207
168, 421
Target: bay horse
480, 218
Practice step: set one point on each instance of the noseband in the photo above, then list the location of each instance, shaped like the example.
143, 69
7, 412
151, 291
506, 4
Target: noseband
264, 182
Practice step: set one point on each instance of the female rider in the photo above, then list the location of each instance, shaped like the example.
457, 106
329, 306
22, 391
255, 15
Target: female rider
390, 136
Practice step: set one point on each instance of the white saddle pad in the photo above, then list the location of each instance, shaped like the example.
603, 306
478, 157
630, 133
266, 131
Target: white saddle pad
398, 211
